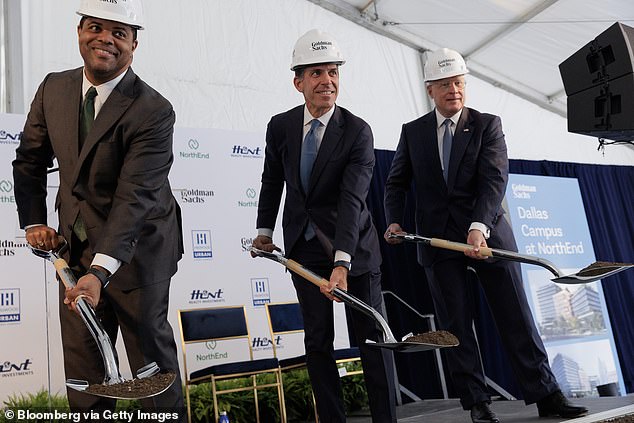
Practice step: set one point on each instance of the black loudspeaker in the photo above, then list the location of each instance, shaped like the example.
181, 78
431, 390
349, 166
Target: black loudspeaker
599, 82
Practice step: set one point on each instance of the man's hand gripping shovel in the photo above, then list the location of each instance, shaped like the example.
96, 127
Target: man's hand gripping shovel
389, 341
149, 381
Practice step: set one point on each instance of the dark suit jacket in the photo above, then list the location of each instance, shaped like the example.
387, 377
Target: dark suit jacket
338, 185
478, 173
118, 181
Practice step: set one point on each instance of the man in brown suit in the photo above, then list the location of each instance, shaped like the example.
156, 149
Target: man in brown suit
111, 134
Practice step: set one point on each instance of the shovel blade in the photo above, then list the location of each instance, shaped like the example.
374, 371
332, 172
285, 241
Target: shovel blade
592, 275
408, 347
117, 391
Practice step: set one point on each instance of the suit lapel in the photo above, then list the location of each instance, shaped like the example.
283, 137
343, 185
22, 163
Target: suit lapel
115, 106
332, 136
72, 117
461, 138
429, 138
294, 132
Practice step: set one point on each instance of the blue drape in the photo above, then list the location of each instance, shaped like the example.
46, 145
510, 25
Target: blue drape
608, 198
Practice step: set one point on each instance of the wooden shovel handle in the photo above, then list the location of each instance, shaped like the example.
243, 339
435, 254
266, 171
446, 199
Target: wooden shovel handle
64, 273
305, 273
457, 246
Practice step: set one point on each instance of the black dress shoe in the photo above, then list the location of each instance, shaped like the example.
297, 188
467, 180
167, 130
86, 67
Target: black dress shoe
481, 413
556, 404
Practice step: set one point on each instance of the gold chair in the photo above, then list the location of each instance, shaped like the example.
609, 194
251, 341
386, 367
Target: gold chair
226, 326
286, 321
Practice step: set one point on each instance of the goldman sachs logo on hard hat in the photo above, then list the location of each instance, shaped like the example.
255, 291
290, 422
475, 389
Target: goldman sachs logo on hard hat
321, 45
445, 62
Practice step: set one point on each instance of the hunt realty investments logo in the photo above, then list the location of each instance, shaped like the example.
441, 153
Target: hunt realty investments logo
10, 138
247, 152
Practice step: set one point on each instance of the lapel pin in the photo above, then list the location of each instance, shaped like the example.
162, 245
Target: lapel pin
465, 130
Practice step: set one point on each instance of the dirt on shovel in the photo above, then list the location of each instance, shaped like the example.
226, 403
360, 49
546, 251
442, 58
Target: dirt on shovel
441, 337
623, 419
136, 388
599, 268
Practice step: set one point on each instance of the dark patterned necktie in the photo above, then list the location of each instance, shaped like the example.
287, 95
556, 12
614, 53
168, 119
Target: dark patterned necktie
87, 115
85, 123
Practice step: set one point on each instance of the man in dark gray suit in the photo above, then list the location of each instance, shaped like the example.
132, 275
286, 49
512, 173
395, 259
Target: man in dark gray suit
324, 156
111, 134
457, 158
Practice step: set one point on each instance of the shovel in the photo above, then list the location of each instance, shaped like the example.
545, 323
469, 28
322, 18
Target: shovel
594, 272
147, 376
389, 341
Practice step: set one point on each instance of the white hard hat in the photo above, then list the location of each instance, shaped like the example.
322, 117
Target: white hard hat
316, 47
129, 12
444, 63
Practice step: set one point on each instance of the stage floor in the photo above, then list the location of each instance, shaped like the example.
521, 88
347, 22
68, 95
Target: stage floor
450, 411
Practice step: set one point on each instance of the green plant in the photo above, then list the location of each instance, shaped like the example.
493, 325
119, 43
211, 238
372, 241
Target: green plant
239, 405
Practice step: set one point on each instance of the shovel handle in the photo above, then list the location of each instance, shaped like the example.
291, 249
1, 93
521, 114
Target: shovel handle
64, 273
305, 273
458, 246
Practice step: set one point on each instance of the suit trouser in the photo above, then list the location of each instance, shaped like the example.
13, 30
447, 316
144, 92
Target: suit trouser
141, 315
317, 311
454, 299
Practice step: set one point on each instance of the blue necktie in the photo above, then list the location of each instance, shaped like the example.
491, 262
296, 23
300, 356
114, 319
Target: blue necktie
447, 141
309, 153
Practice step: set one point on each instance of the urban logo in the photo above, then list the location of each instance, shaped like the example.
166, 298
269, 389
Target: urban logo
200, 296
9, 305
193, 145
7, 138
260, 291
251, 194
245, 243
6, 191
195, 196
9, 369
8, 247
248, 152
201, 243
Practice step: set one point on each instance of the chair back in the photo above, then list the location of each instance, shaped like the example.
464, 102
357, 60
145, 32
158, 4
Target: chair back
287, 329
223, 331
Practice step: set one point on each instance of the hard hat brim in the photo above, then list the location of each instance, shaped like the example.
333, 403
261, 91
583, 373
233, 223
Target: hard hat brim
110, 17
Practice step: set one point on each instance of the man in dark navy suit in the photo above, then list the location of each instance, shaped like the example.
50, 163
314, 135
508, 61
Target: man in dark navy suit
323, 155
457, 158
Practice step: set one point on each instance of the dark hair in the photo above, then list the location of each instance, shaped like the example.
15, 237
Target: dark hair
134, 30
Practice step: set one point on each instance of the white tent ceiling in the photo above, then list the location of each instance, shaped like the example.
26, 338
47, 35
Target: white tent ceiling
514, 44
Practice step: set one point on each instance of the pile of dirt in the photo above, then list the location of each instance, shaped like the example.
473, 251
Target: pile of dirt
623, 419
441, 337
136, 388
600, 267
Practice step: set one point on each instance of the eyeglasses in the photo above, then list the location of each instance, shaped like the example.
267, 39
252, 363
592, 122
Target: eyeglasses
448, 84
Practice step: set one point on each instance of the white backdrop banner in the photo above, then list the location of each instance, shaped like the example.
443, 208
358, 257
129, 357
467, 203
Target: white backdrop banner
216, 180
